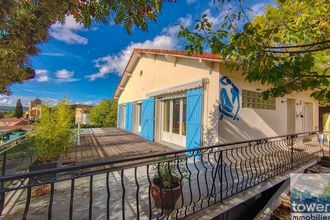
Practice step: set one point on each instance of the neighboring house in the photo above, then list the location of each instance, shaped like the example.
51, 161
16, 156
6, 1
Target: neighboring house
9, 124
81, 115
34, 111
192, 101
13, 121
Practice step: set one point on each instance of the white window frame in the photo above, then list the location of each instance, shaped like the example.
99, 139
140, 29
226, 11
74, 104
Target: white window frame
170, 137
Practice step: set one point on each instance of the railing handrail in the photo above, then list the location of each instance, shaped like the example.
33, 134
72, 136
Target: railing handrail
205, 176
138, 158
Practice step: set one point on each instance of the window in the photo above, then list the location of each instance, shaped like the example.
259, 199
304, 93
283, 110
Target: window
184, 101
251, 99
176, 116
167, 106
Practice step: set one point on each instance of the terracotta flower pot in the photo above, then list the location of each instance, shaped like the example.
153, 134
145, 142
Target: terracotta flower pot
39, 166
325, 161
166, 197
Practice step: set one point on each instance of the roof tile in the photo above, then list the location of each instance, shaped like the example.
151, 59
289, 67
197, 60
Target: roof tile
205, 55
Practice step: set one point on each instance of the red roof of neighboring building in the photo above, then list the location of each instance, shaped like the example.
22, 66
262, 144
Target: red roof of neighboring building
10, 119
15, 121
205, 55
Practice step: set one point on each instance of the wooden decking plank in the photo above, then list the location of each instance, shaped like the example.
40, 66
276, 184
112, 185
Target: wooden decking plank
110, 143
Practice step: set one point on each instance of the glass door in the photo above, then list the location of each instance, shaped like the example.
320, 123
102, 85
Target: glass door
174, 121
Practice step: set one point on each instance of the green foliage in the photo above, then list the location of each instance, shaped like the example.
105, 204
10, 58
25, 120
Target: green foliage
104, 114
166, 170
286, 48
24, 25
52, 135
18, 109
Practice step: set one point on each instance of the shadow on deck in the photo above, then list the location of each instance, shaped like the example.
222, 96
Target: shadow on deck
110, 143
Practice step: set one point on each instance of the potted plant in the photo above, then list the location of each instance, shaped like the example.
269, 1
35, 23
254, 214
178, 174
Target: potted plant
52, 136
166, 186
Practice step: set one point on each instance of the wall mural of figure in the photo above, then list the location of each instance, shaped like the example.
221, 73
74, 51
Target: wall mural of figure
229, 99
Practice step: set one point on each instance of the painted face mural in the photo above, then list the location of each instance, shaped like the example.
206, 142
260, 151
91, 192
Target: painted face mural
229, 99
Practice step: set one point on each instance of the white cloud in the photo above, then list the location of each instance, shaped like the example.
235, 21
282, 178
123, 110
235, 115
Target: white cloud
41, 72
258, 8
189, 2
53, 54
215, 19
67, 32
64, 75
90, 102
44, 78
42, 75
116, 63
12, 99
173, 30
4, 100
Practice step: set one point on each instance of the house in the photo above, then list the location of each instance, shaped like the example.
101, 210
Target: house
187, 101
34, 111
11, 124
81, 115
13, 121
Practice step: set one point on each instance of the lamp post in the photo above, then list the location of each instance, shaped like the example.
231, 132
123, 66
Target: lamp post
78, 134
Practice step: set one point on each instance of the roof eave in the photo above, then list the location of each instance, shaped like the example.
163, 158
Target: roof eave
137, 54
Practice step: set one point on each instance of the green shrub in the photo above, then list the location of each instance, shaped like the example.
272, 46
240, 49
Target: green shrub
52, 135
104, 114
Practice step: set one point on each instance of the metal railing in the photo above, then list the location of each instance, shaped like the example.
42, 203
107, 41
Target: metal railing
136, 187
8, 147
4, 149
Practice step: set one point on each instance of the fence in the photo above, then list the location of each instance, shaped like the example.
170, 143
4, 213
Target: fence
170, 185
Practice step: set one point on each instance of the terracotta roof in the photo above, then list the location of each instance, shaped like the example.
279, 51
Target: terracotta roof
10, 119
205, 55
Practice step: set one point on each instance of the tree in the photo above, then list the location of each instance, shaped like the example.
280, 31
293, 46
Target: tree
52, 135
24, 25
104, 114
287, 47
18, 109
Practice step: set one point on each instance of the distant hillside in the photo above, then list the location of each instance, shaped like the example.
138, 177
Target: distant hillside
10, 108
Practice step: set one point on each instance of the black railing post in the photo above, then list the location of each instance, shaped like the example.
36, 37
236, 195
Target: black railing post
221, 175
3, 172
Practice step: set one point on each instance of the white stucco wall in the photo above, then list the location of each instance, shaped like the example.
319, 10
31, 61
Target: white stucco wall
259, 123
154, 74
159, 74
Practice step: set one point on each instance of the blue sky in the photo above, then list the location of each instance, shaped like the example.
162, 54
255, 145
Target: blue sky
84, 65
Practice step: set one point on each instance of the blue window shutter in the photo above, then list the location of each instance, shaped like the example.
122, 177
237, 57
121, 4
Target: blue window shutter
147, 124
129, 116
118, 115
194, 118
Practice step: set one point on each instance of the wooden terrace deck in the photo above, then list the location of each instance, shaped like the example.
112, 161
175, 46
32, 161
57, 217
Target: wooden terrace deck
110, 143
